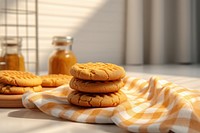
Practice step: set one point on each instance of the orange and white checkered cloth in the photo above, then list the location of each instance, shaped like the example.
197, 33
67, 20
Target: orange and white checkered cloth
153, 105
54, 102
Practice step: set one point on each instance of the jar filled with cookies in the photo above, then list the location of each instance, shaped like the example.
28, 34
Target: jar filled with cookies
11, 56
62, 58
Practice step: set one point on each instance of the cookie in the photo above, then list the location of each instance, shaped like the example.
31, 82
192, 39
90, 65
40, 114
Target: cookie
97, 71
19, 78
96, 100
54, 80
10, 90
95, 86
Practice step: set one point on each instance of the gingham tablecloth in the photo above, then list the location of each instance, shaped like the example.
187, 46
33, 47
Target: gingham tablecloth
153, 105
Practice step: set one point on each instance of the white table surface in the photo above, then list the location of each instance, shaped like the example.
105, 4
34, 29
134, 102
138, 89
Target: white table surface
21, 120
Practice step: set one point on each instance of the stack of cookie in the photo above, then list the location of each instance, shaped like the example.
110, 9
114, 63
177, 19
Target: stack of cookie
18, 82
96, 85
55, 80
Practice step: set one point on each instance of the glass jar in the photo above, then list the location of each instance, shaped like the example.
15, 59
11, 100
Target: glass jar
2, 62
62, 58
11, 57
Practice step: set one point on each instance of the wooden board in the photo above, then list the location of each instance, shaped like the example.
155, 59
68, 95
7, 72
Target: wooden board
13, 101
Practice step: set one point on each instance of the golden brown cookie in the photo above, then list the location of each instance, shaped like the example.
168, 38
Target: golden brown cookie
19, 78
54, 80
10, 90
95, 86
96, 100
97, 71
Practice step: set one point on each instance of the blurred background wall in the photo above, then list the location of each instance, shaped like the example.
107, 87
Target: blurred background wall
98, 28
124, 32
162, 32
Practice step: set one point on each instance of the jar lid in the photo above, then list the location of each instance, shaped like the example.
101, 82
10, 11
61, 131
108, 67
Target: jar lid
62, 40
11, 41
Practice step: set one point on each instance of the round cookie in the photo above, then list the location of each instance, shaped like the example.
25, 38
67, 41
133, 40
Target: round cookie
10, 90
96, 86
19, 78
54, 80
96, 100
97, 71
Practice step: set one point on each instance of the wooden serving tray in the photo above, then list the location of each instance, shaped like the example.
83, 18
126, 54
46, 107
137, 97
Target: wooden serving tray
13, 101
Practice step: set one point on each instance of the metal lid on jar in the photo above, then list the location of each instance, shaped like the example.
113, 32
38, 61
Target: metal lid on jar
62, 40
11, 41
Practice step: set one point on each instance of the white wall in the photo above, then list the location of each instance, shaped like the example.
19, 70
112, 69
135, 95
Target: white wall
96, 25
98, 28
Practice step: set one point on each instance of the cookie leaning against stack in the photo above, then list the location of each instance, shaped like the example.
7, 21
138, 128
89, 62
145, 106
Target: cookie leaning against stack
96, 85
18, 82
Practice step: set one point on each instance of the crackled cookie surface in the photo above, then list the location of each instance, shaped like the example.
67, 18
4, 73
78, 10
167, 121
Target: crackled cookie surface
10, 90
95, 86
54, 80
96, 100
97, 71
19, 78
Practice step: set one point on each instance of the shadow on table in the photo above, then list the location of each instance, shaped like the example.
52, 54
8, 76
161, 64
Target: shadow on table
37, 114
111, 128
30, 114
